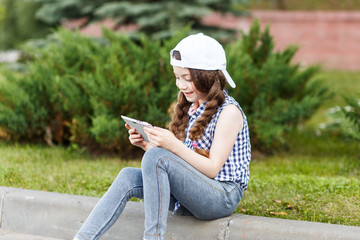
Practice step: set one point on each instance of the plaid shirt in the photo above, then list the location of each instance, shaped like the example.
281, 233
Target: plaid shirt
236, 167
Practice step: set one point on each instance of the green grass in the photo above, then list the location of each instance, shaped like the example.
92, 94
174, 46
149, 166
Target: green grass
305, 184
57, 169
317, 179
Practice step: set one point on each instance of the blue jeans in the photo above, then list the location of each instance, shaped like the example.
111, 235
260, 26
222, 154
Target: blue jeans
162, 179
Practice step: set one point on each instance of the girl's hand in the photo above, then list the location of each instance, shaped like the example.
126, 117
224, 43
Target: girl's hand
160, 137
136, 139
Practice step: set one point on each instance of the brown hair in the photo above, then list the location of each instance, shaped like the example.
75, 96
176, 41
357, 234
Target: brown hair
211, 82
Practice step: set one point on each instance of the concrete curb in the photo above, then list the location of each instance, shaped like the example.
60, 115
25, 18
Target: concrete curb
55, 215
9, 235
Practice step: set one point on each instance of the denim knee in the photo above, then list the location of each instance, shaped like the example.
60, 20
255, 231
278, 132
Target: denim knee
151, 158
127, 171
127, 175
129, 180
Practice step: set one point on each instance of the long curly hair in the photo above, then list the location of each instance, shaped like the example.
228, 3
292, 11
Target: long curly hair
210, 82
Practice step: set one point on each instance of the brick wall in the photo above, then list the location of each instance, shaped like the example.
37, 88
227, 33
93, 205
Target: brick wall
329, 38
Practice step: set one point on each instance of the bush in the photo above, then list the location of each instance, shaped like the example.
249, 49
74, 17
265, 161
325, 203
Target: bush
352, 113
275, 94
343, 121
77, 87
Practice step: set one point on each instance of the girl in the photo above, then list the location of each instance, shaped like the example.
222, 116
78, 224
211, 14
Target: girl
200, 166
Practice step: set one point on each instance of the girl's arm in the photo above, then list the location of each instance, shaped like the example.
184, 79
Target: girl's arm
229, 124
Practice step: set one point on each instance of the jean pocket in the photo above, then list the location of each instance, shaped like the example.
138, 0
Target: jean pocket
233, 194
230, 187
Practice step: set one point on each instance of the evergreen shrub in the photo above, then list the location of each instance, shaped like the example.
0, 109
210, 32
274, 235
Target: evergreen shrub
344, 121
352, 113
275, 94
76, 88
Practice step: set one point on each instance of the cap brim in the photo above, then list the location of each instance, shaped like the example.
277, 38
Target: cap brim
229, 79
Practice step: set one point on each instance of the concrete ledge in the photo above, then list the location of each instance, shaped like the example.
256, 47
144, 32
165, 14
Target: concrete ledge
9, 235
59, 216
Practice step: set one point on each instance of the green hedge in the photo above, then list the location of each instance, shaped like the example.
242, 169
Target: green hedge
76, 88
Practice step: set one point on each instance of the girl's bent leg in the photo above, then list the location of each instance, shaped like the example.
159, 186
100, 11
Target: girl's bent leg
128, 184
165, 174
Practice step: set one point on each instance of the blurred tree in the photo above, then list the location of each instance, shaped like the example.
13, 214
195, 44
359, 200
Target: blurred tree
2, 13
156, 18
281, 4
18, 23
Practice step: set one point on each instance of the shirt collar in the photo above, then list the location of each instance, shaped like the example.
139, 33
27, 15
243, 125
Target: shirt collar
198, 111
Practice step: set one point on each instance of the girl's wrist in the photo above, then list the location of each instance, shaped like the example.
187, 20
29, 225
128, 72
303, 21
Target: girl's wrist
147, 147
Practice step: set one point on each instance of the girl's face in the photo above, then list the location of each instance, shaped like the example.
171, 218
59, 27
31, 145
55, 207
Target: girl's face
186, 85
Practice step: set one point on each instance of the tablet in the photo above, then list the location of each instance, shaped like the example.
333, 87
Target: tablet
138, 125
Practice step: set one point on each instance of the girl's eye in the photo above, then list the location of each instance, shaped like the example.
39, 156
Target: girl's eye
184, 79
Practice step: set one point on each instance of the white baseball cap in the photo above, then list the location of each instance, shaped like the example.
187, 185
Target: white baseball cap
201, 52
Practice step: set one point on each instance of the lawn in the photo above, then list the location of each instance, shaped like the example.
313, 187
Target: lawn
317, 179
57, 169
